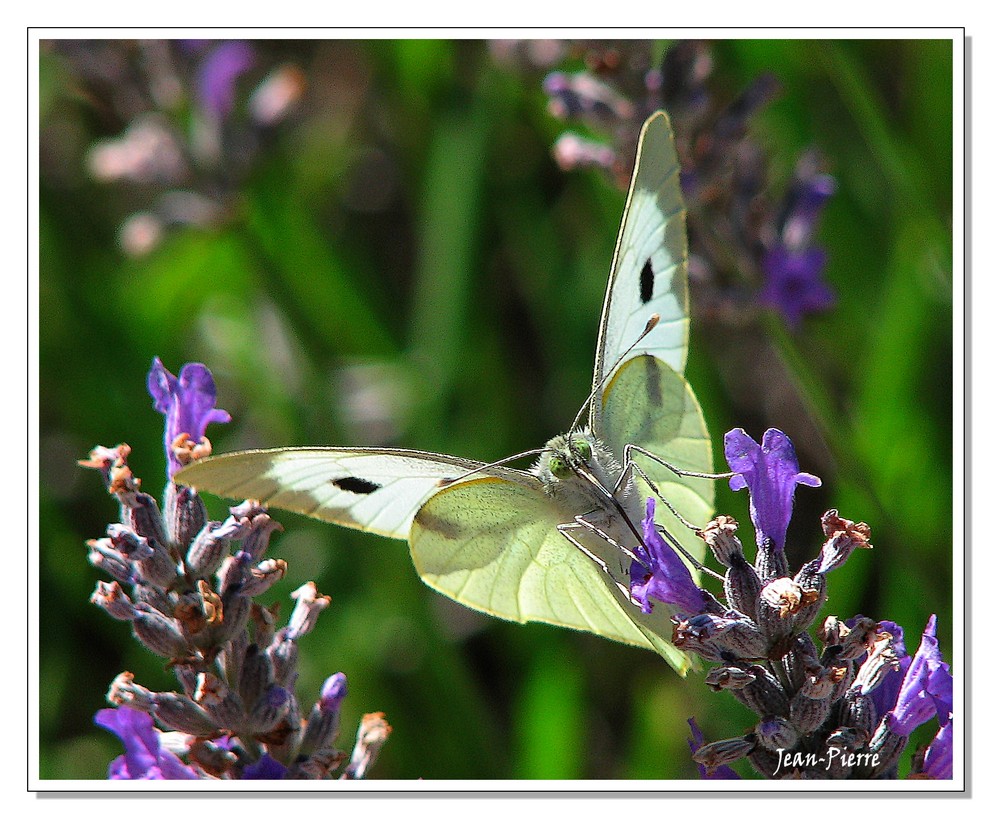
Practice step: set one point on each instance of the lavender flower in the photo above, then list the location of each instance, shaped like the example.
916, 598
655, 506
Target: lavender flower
188, 402
659, 573
186, 585
771, 471
145, 757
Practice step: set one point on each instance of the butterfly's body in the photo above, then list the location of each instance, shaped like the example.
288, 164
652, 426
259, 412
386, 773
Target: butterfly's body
551, 544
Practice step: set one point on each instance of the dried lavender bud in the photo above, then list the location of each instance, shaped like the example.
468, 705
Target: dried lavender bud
323, 725
776, 733
731, 676
742, 586
844, 537
111, 598
256, 676
780, 602
308, 604
143, 517
150, 558
179, 712
372, 734
222, 705
104, 556
858, 711
724, 752
858, 639
262, 576
284, 654
184, 514
720, 638
765, 695
269, 709
800, 659
206, 551
158, 632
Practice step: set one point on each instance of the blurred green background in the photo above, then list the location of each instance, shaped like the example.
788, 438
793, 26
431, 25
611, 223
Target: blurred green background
396, 259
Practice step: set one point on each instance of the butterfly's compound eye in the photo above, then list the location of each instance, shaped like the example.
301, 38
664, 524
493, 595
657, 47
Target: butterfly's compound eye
583, 448
559, 468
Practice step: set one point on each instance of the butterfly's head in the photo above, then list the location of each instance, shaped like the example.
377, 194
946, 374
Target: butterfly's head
578, 454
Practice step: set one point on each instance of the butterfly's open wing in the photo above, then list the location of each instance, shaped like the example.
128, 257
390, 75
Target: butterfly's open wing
372, 489
492, 544
649, 270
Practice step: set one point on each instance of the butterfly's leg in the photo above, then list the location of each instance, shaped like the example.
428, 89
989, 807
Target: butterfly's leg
565, 529
631, 467
680, 472
583, 522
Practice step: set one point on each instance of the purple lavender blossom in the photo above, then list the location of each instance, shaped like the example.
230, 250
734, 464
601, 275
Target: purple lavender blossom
218, 74
660, 573
144, 757
926, 688
188, 402
771, 472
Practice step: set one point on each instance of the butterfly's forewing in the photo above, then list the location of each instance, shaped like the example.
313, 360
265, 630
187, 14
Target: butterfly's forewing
649, 269
373, 489
492, 544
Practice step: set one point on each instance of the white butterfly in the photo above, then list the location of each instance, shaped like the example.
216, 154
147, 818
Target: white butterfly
549, 544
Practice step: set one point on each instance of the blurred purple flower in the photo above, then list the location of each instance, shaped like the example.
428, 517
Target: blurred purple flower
187, 402
793, 270
771, 472
793, 283
218, 74
144, 758
660, 573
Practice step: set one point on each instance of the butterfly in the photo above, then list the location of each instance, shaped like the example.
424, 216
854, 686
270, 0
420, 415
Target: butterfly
552, 543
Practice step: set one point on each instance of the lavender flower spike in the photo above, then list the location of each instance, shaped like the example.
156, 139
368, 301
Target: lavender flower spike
771, 472
187, 401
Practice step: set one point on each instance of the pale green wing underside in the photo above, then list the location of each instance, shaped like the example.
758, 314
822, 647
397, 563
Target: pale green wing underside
649, 404
492, 545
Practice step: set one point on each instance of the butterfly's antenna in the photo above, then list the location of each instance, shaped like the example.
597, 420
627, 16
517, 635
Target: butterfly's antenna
451, 480
654, 320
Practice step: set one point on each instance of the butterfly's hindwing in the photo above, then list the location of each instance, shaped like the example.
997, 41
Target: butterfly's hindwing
492, 545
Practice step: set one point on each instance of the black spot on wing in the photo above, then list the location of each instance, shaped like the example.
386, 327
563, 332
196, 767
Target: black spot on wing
356, 485
646, 282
